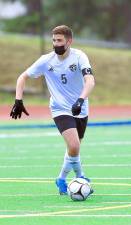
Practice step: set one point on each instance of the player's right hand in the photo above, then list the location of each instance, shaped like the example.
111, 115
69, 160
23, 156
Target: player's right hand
17, 109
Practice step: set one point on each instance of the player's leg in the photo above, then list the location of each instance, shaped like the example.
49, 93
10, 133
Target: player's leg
71, 159
64, 123
68, 127
73, 150
81, 124
73, 137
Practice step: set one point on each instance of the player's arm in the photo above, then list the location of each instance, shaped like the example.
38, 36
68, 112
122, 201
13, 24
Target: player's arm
89, 84
34, 71
18, 107
20, 85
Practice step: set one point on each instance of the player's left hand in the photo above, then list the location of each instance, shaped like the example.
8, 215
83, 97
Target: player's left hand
17, 110
76, 108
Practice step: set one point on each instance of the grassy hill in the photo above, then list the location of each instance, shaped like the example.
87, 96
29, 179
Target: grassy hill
112, 70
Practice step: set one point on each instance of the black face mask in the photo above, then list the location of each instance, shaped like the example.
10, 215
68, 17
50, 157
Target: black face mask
59, 50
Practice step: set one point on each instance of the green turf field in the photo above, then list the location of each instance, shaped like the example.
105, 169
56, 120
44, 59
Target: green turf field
30, 161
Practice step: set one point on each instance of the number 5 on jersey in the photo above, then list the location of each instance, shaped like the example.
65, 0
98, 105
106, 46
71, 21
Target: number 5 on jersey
63, 78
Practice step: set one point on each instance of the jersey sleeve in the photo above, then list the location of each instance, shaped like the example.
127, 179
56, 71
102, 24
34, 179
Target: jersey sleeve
84, 64
37, 68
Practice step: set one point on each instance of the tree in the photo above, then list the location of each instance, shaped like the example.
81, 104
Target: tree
75, 13
127, 20
106, 19
109, 19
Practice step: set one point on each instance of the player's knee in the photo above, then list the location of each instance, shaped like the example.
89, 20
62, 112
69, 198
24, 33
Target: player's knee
74, 148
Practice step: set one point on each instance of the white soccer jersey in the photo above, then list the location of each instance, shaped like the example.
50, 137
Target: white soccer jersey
64, 80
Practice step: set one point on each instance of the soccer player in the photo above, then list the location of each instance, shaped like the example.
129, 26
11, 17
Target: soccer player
69, 78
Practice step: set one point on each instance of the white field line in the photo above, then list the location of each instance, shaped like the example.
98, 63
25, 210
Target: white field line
39, 134
62, 206
110, 178
47, 206
59, 152
124, 216
106, 165
53, 178
29, 135
112, 194
36, 135
67, 212
112, 184
50, 181
71, 215
61, 157
58, 165
46, 195
25, 181
62, 145
97, 216
27, 195
109, 143
45, 134
115, 202
59, 206
41, 147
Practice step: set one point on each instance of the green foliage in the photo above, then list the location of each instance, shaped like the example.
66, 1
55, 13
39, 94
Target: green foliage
110, 20
23, 24
104, 19
74, 13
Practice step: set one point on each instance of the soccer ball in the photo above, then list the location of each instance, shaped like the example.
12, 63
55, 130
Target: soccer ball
79, 189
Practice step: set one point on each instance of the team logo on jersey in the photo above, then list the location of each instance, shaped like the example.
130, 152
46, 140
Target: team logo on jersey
50, 68
73, 67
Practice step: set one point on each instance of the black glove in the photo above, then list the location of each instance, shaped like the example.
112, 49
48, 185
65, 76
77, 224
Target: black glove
76, 108
17, 109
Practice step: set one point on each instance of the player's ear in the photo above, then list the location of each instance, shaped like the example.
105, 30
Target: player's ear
69, 41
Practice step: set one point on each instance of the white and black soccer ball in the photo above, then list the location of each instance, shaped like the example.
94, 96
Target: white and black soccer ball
79, 189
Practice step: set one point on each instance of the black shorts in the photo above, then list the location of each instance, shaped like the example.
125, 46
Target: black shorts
65, 122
